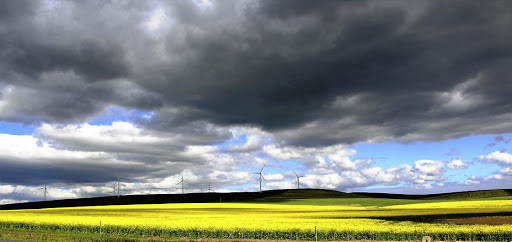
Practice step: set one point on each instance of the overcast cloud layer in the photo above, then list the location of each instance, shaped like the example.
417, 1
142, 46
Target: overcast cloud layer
302, 79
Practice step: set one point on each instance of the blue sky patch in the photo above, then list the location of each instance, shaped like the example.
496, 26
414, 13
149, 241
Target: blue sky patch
113, 114
16, 128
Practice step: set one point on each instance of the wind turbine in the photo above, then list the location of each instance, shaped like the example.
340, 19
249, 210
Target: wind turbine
182, 182
150, 189
45, 191
118, 183
209, 190
298, 179
261, 175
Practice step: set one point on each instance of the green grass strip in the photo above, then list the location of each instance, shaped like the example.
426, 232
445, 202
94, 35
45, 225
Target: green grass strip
116, 232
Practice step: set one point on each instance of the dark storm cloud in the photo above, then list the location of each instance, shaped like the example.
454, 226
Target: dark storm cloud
15, 9
44, 36
310, 72
89, 58
61, 172
61, 65
281, 68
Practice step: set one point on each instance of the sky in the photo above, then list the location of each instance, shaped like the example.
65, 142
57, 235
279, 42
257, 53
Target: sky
357, 96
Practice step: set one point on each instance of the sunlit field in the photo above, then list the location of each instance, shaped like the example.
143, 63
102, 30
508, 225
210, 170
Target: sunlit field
342, 220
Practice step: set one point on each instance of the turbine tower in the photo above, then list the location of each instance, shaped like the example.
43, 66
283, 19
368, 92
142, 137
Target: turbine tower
298, 179
45, 191
118, 183
209, 190
182, 182
261, 175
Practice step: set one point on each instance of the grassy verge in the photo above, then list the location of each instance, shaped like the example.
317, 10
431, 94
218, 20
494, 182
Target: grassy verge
24, 235
21, 235
70, 233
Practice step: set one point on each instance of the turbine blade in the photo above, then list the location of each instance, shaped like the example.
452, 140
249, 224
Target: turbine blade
295, 173
263, 167
178, 183
263, 178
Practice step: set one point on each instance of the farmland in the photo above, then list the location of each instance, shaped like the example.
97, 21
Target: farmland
281, 217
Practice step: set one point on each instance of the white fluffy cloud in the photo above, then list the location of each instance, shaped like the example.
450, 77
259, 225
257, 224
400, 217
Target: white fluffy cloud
324, 160
424, 171
302, 153
330, 181
425, 186
6, 189
457, 164
9, 201
254, 139
473, 180
29, 149
391, 176
506, 171
120, 137
343, 162
369, 177
494, 177
273, 177
500, 157
429, 167
117, 132
286, 153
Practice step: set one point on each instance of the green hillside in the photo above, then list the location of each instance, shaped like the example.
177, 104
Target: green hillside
471, 195
335, 198
330, 198
310, 193
285, 196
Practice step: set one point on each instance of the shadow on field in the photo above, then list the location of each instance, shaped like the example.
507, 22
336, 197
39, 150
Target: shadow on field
438, 217
145, 199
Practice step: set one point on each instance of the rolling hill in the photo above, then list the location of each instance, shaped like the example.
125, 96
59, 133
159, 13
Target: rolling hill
265, 196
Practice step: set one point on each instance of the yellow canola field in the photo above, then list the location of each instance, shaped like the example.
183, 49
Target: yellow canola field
267, 217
